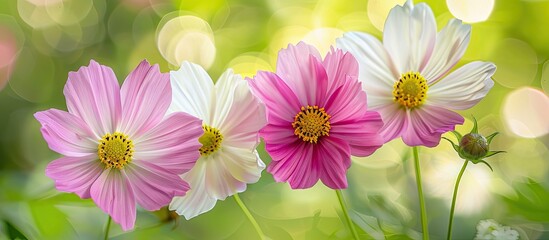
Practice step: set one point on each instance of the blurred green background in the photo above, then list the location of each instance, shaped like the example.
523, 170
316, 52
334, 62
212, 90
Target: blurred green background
42, 40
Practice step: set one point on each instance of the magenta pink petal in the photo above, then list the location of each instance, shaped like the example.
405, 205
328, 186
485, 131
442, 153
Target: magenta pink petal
93, 94
154, 186
298, 167
334, 156
427, 123
339, 66
146, 95
113, 193
66, 133
348, 101
361, 134
75, 174
295, 68
172, 144
281, 106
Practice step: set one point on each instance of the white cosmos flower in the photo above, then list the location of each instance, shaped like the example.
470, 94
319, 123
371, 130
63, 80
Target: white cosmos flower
490, 229
231, 117
408, 78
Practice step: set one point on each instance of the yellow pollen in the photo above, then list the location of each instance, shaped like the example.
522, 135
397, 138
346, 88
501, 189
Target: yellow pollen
211, 140
115, 150
311, 123
410, 90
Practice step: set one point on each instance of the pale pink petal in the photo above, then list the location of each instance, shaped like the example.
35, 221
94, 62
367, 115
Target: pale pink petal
334, 156
395, 121
197, 200
154, 186
219, 182
427, 123
299, 167
361, 134
172, 144
66, 133
244, 165
244, 117
75, 174
409, 36
376, 69
464, 87
113, 193
339, 65
452, 41
299, 67
192, 91
93, 94
281, 102
146, 95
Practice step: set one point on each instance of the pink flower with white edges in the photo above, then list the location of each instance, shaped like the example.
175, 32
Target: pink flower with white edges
118, 146
317, 117
408, 76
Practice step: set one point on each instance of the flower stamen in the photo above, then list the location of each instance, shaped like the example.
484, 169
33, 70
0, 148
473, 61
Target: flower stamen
311, 123
211, 140
115, 150
410, 90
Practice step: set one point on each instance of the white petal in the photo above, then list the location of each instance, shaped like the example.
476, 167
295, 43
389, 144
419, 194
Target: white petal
244, 119
452, 41
376, 69
224, 94
464, 87
219, 182
192, 91
409, 36
197, 200
244, 165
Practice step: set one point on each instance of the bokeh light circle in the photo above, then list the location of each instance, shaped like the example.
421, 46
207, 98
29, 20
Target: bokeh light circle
186, 38
516, 62
471, 10
379, 9
525, 112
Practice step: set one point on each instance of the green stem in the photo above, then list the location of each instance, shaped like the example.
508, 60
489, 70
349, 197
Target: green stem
347, 218
108, 228
249, 215
420, 194
454, 199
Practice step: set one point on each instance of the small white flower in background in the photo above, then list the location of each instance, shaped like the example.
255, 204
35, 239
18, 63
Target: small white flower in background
231, 117
490, 229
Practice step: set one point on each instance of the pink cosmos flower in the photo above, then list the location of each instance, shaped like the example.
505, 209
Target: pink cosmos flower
317, 117
118, 147
408, 76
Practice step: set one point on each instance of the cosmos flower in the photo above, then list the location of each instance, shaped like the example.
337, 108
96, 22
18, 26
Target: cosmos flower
490, 229
232, 117
408, 76
119, 147
317, 117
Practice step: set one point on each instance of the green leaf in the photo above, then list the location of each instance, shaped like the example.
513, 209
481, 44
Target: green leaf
13, 233
490, 137
475, 126
531, 201
369, 224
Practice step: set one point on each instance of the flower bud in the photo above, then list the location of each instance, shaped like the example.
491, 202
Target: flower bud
473, 146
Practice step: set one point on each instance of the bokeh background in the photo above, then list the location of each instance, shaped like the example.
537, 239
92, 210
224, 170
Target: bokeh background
42, 40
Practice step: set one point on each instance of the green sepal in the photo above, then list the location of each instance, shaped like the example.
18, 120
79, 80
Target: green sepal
456, 147
490, 137
475, 126
492, 153
482, 161
458, 135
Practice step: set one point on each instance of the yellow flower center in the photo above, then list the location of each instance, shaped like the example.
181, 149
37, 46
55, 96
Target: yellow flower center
115, 150
311, 123
211, 140
410, 90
